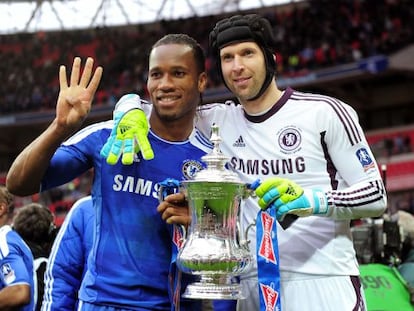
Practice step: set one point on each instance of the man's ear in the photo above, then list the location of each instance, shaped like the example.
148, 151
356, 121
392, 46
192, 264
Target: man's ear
3, 209
202, 82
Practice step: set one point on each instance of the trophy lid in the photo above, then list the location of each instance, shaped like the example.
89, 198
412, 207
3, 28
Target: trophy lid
216, 161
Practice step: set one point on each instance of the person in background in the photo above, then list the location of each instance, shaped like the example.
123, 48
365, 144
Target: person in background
405, 221
68, 258
132, 254
16, 262
35, 224
314, 162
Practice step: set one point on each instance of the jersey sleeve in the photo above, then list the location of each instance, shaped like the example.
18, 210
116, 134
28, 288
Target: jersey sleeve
364, 193
76, 155
13, 268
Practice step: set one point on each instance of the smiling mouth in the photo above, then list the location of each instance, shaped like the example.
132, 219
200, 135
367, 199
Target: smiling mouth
241, 81
167, 99
241, 78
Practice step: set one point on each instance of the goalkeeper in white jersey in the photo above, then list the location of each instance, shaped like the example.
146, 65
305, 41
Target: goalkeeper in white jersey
314, 162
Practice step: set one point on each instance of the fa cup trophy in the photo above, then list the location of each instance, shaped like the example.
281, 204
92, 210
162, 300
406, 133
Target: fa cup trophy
214, 248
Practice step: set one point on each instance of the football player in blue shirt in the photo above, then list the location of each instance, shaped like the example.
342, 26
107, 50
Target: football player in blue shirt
130, 261
68, 259
16, 262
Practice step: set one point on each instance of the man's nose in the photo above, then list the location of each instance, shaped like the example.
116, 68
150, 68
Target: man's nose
238, 63
166, 82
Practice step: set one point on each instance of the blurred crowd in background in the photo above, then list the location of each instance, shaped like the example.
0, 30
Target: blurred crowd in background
317, 35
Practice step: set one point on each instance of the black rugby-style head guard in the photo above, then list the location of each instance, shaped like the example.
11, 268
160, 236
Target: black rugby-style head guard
242, 28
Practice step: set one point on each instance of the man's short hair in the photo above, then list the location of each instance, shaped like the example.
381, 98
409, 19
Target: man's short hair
34, 222
7, 198
184, 39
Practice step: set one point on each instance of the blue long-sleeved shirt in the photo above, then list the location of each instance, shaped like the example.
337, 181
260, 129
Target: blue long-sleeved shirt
68, 258
131, 255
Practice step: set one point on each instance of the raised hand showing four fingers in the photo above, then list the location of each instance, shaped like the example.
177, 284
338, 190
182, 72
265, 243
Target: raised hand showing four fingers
75, 99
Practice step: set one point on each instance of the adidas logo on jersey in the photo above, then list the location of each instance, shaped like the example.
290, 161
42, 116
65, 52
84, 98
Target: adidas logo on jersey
239, 142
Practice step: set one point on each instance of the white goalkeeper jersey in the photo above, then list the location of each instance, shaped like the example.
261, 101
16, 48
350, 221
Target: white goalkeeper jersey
316, 141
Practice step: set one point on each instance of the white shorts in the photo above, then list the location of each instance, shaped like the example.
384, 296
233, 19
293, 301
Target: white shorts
305, 292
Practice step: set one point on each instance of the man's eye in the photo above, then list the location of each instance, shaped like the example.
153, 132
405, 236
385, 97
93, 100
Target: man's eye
179, 73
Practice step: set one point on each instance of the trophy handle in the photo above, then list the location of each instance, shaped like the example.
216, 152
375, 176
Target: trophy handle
243, 241
249, 191
184, 232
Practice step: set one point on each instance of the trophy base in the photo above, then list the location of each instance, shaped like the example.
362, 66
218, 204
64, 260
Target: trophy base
208, 290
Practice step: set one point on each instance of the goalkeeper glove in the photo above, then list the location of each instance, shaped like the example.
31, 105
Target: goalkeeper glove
287, 197
129, 134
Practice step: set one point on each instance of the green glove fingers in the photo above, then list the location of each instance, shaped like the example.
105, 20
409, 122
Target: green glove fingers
134, 129
106, 149
142, 142
268, 192
280, 189
114, 152
128, 151
287, 197
128, 137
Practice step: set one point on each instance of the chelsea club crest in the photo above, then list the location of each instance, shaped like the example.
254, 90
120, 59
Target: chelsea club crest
190, 168
289, 139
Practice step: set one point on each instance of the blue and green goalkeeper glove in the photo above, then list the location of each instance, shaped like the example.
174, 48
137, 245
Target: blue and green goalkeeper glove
129, 134
289, 198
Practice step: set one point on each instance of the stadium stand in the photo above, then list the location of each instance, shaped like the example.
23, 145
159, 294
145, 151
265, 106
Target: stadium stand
307, 34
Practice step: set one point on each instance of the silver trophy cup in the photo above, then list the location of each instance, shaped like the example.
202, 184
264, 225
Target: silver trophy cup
214, 248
